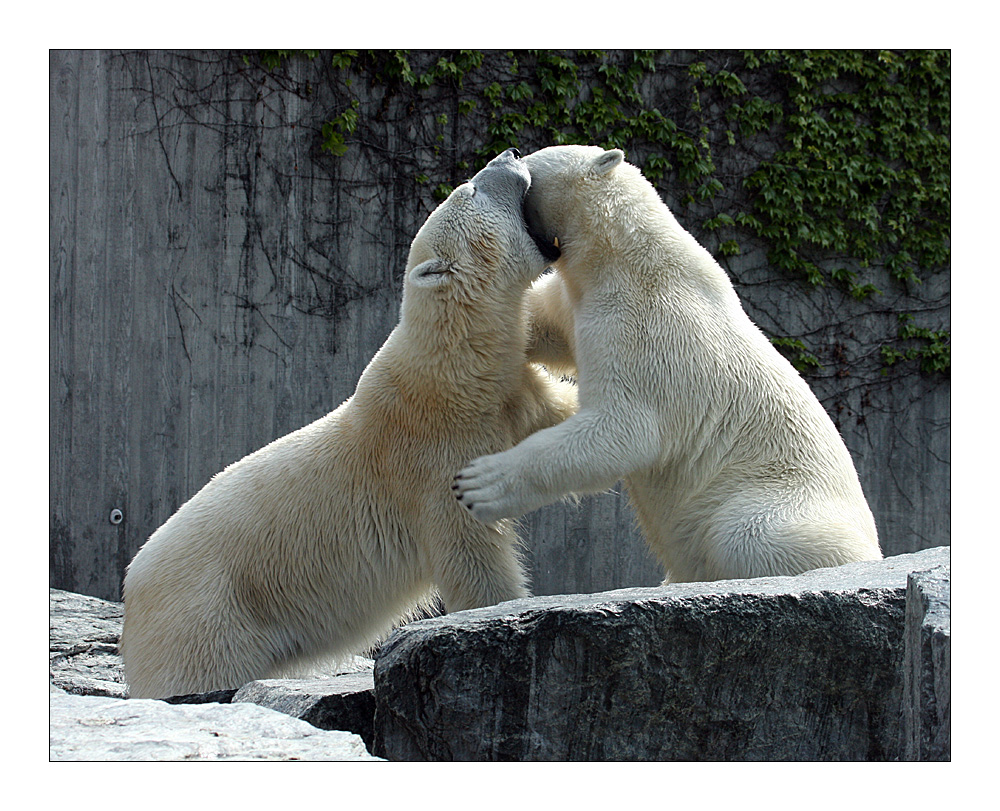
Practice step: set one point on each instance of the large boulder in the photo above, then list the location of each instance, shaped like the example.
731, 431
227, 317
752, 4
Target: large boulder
783, 668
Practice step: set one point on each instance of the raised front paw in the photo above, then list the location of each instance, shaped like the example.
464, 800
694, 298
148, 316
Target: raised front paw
486, 487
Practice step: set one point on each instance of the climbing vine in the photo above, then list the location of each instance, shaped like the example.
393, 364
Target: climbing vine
864, 171
837, 163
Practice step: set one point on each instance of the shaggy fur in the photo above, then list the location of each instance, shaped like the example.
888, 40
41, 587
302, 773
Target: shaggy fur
733, 467
317, 544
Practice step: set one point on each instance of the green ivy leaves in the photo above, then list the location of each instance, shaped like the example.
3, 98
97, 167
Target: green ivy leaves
932, 349
849, 151
866, 166
333, 131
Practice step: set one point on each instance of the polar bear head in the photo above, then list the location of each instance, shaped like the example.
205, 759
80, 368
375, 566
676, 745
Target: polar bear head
475, 246
573, 191
608, 221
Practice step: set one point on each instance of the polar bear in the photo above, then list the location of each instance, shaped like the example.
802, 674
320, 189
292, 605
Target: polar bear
317, 544
732, 465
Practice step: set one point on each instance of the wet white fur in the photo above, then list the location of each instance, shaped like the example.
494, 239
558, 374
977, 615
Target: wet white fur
732, 465
317, 544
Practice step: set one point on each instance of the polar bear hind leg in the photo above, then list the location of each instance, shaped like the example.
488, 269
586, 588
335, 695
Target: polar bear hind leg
188, 656
773, 537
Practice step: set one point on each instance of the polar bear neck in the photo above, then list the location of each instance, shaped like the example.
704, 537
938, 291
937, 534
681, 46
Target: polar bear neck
627, 235
456, 345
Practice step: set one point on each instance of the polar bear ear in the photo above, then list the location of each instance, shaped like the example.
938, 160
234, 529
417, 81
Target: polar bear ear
604, 163
432, 273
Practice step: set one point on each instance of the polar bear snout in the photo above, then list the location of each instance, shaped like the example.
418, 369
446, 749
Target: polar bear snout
505, 179
508, 154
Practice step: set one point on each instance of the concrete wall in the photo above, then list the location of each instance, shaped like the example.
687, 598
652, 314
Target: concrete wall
216, 282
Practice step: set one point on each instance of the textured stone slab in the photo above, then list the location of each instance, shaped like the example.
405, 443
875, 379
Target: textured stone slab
345, 702
787, 668
99, 728
83, 644
927, 669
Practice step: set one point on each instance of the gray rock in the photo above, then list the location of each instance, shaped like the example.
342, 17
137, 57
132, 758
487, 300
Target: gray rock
926, 733
345, 702
83, 644
785, 668
99, 728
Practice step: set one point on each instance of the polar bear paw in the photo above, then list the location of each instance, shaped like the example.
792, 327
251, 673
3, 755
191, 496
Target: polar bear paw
487, 487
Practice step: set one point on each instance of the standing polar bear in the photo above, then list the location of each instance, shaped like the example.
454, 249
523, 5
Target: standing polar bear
732, 465
317, 544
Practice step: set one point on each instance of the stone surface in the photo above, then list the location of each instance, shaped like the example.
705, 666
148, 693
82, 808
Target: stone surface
91, 720
345, 702
83, 644
786, 668
100, 728
926, 723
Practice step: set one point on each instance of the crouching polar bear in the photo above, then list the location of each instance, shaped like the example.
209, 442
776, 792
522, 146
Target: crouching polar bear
317, 544
732, 465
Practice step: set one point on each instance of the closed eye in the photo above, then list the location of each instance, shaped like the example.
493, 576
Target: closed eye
433, 268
